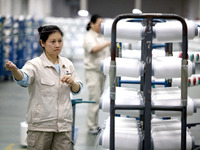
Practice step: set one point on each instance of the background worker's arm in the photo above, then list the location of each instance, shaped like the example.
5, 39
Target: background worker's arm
99, 47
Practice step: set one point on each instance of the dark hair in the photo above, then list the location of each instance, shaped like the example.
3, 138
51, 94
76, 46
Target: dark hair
93, 20
45, 31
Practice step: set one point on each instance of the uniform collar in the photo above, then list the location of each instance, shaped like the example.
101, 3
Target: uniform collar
45, 61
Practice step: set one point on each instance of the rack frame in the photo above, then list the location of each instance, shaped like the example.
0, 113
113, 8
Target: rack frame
146, 79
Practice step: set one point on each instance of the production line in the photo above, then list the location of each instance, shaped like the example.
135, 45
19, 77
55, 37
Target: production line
150, 98
161, 101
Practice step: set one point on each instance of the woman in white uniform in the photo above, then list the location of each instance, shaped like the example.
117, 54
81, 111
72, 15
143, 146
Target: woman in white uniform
96, 48
50, 78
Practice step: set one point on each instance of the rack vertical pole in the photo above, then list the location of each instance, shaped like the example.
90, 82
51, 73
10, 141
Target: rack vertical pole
147, 79
112, 73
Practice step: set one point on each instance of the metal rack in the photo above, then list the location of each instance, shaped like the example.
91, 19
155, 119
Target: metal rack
145, 84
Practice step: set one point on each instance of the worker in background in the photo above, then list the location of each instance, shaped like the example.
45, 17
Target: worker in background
50, 78
96, 48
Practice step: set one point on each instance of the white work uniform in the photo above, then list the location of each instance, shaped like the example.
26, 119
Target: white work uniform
50, 108
95, 79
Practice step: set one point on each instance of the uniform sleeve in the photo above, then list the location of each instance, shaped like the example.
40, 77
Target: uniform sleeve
25, 81
29, 69
81, 86
76, 78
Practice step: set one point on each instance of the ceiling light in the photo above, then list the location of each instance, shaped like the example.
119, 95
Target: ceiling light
83, 13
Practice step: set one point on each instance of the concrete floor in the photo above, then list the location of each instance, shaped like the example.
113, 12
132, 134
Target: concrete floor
14, 100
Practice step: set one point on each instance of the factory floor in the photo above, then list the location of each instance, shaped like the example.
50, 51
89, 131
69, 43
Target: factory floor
13, 104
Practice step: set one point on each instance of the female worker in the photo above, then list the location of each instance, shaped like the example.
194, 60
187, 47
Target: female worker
96, 49
49, 79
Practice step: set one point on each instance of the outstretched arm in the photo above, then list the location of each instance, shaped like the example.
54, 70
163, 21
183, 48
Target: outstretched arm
18, 75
